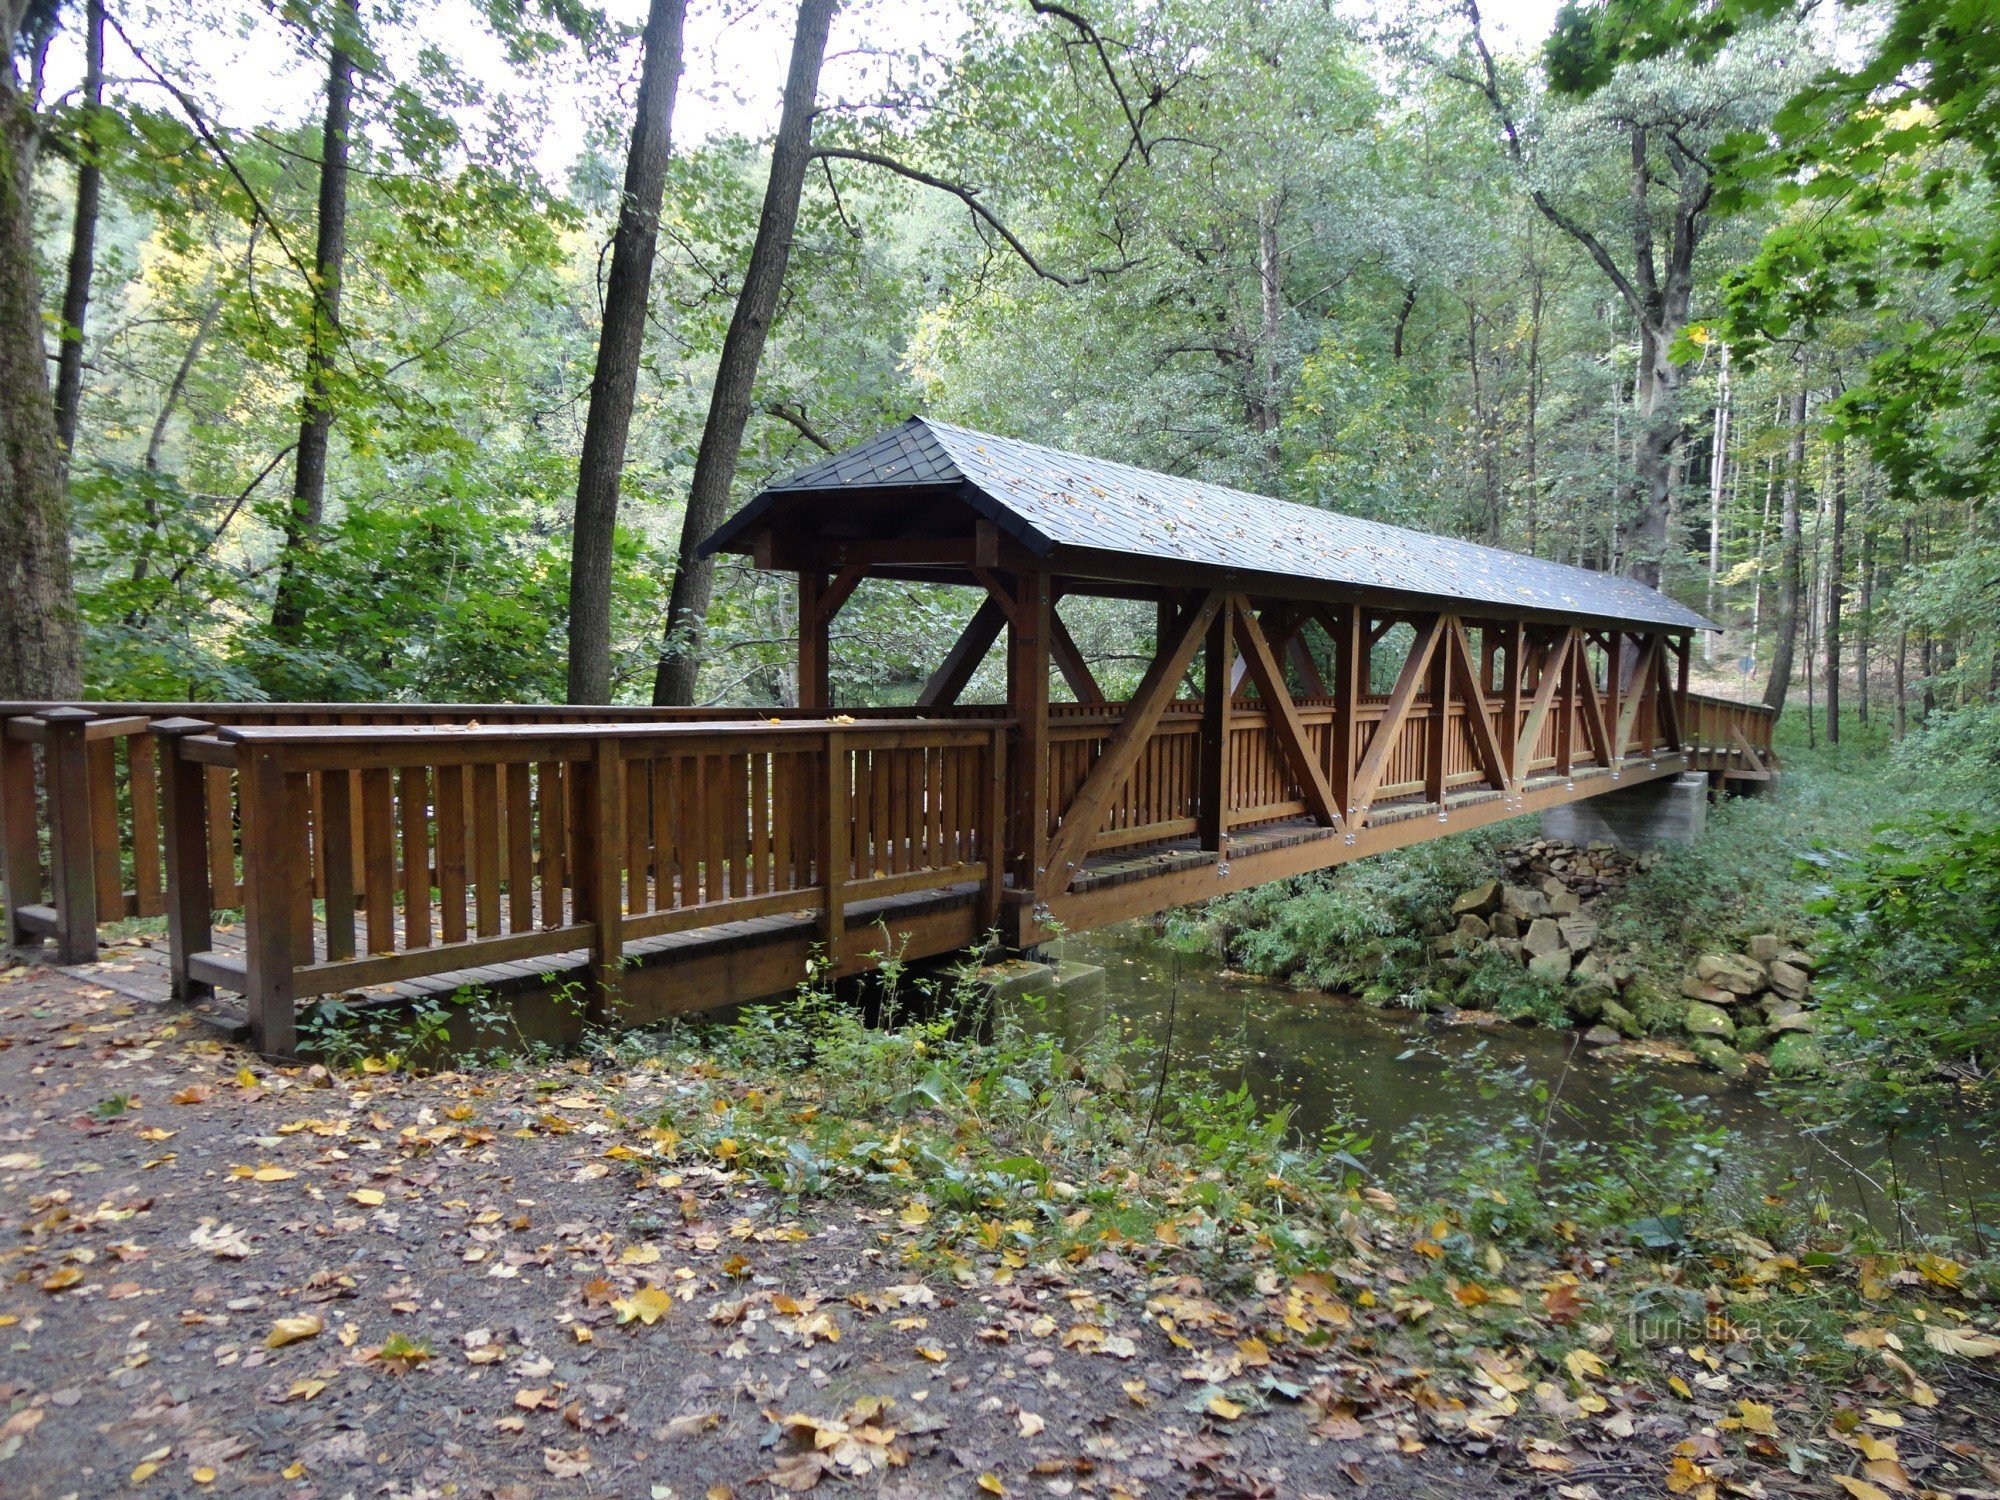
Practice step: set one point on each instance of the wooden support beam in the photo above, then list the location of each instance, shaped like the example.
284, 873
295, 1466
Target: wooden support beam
190, 899
1390, 728
1549, 678
1345, 625
1283, 719
815, 690
840, 590
1479, 713
1085, 814
1069, 661
1217, 693
1645, 678
1299, 653
1510, 699
1594, 727
967, 652
1439, 713
1684, 649
1668, 696
72, 835
1028, 645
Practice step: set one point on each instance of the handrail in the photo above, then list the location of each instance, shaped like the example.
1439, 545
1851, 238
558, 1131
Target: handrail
371, 855
83, 788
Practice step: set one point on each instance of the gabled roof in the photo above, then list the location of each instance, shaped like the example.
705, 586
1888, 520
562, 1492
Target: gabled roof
1054, 503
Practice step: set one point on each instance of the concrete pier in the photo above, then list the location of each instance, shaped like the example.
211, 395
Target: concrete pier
1646, 815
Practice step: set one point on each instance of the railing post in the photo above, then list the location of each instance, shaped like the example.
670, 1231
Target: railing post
598, 839
1213, 814
184, 818
270, 992
996, 834
72, 849
20, 835
833, 853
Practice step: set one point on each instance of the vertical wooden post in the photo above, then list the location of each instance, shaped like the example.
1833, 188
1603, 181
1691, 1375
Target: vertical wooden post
995, 851
274, 860
815, 678
1568, 696
1028, 705
20, 838
1213, 815
1439, 689
835, 848
1614, 687
72, 846
184, 819
1684, 649
1350, 681
597, 836
1510, 702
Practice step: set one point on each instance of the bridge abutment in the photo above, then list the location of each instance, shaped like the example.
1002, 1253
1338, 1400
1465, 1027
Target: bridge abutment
1671, 810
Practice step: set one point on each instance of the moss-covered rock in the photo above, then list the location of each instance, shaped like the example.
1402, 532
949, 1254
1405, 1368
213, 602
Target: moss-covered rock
1703, 1020
1720, 1056
1796, 1054
1621, 1020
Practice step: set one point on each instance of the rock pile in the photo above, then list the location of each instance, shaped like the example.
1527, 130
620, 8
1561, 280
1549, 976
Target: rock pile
1754, 1003
1738, 1009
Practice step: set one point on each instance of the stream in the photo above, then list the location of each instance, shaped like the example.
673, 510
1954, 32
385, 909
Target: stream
1342, 1066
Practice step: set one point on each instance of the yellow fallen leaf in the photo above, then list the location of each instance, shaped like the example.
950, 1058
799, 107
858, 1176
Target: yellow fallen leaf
1221, 1406
1680, 1388
1582, 1364
649, 1304
67, 1276
1755, 1416
916, 1212
1860, 1489
932, 1353
304, 1389
1876, 1417
990, 1482
293, 1470
203, 1475
291, 1330
367, 1197
264, 1173
1963, 1342
143, 1472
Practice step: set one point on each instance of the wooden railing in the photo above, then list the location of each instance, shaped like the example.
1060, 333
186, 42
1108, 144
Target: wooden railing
423, 850
84, 803
80, 820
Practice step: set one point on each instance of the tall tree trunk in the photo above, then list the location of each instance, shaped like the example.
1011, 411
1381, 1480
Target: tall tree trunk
1268, 364
619, 344
1865, 636
308, 506
742, 348
1836, 571
40, 656
1482, 428
83, 234
1718, 464
1903, 646
1537, 299
1780, 682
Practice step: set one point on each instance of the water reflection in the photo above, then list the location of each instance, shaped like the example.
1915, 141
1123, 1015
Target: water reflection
1343, 1066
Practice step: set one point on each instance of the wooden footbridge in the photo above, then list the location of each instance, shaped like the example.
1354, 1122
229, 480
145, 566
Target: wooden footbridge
1357, 687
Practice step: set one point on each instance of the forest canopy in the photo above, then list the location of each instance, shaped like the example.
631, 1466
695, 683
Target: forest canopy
403, 350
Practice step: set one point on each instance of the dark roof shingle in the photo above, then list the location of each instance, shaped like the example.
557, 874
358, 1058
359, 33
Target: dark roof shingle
1051, 500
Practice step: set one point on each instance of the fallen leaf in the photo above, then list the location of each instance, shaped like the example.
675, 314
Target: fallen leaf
1221, 1406
1959, 1341
565, 1465
1031, 1424
649, 1304
291, 1330
367, 1197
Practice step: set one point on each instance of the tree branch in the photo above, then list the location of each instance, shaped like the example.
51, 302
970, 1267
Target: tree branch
967, 195
1489, 85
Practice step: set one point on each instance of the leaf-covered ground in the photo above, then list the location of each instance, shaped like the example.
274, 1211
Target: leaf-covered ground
223, 1277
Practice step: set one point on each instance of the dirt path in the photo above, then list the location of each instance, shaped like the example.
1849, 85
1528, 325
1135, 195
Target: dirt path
221, 1277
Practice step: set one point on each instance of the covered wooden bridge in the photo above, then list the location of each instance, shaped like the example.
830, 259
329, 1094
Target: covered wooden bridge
1321, 688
